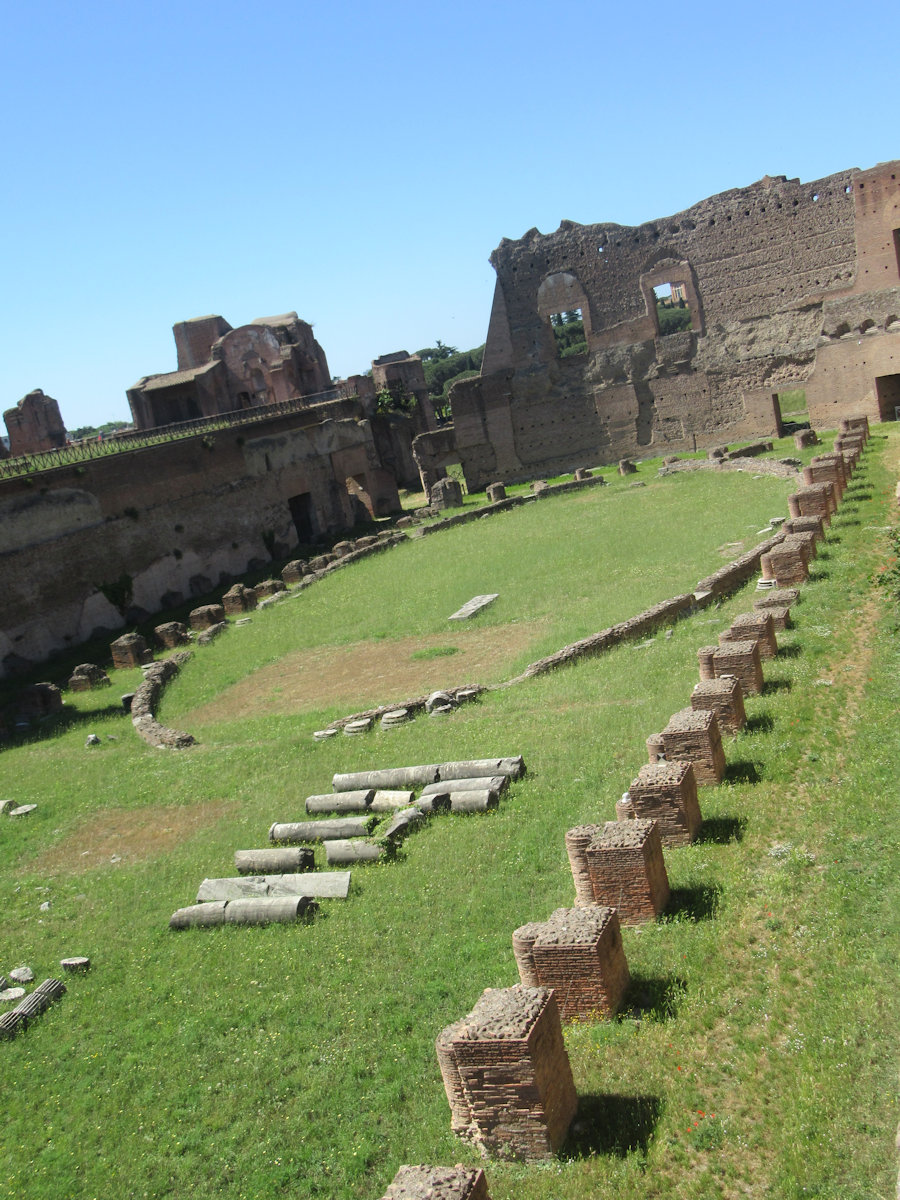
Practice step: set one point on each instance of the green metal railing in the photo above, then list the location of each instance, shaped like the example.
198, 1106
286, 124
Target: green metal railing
118, 443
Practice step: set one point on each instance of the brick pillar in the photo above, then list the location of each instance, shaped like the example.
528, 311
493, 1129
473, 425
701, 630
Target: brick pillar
695, 736
578, 952
628, 871
509, 1074
666, 792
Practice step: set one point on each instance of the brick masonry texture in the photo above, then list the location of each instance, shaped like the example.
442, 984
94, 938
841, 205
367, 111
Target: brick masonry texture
627, 870
666, 792
694, 735
725, 698
781, 280
578, 952
507, 1074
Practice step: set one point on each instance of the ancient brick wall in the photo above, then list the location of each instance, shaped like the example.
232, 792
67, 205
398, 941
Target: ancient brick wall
34, 425
129, 533
767, 271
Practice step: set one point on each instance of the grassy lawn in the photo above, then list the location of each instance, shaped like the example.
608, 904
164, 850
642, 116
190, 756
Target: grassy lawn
757, 1053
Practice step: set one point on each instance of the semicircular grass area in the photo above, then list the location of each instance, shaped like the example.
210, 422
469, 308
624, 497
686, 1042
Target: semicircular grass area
563, 568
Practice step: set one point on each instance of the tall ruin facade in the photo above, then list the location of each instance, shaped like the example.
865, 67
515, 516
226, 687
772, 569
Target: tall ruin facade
224, 370
780, 285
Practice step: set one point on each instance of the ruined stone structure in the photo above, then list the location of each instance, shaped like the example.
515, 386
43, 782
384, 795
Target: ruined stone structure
666, 792
507, 1074
115, 538
627, 870
223, 370
785, 285
34, 425
578, 952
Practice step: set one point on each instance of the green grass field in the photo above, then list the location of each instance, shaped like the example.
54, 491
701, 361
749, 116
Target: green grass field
757, 1052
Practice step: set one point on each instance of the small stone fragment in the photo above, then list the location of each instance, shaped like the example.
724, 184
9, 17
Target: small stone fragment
75, 965
92, 740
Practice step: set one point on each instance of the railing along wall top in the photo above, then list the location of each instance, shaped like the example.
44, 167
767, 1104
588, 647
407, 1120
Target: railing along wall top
76, 452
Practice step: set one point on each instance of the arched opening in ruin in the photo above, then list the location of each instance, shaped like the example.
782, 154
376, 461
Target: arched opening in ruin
568, 333
562, 303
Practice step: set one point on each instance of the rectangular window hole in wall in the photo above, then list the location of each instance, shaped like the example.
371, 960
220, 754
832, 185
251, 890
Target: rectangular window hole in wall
673, 313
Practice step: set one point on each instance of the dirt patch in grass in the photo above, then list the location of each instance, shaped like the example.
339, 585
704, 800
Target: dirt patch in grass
127, 835
370, 673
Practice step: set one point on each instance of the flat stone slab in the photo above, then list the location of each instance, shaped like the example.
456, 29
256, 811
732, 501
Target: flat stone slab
320, 885
473, 606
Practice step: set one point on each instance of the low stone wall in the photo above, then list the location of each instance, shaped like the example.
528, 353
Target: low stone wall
766, 466
146, 698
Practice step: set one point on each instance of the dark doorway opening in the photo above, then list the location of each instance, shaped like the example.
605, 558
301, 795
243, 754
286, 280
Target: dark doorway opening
303, 516
887, 393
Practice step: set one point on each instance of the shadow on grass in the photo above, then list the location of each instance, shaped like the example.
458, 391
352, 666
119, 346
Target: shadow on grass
776, 685
721, 830
611, 1124
742, 771
840, 522
653, 997
694, 903
817, 575
61, 722
792, 651
761, 723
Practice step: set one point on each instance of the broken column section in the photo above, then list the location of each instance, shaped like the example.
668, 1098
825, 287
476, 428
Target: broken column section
507, 1074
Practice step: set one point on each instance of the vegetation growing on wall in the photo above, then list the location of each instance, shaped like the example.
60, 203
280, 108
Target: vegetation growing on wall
119, 592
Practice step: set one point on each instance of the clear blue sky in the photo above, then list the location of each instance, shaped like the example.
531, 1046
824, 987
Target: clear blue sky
358, 162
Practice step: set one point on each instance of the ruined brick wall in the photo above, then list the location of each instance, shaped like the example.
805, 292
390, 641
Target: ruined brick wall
223, 370
764, 269
34, 425
175, 520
